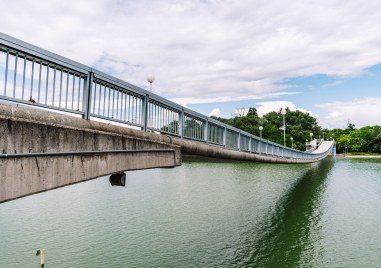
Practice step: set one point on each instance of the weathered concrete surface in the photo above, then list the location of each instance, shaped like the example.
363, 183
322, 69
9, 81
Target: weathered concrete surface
35, 131
205, 150
28, 175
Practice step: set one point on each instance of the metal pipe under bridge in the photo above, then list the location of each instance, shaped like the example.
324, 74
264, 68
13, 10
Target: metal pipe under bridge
60, 149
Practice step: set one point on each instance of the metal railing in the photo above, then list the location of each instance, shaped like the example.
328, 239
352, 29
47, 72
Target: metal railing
34, 76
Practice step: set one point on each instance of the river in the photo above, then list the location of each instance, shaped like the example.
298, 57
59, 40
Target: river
205, 214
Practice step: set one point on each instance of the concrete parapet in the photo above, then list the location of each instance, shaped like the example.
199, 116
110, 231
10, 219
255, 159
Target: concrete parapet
34, 131
26, 131
205, 150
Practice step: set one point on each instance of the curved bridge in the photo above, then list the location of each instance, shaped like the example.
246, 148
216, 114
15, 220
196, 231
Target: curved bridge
41, 150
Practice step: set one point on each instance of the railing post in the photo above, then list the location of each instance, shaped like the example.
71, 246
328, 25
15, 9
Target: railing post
145, 113
86, 103
224, 137
206, 131
181, 123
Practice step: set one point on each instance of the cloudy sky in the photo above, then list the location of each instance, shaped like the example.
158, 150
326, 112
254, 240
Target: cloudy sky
217, 56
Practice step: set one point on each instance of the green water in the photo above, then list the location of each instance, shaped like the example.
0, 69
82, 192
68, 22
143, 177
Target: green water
205, 214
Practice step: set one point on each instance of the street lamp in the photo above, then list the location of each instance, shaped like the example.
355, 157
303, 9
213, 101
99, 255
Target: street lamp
311, 134
292, 142
283, 112
260, 131
150, 80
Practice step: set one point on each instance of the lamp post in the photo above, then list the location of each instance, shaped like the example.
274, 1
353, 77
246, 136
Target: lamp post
292, 142
283, 112
260, 131
150, 80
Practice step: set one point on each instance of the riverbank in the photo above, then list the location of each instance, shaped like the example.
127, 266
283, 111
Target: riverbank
358, 156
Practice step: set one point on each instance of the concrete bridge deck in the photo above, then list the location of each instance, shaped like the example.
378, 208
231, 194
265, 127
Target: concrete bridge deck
42, 151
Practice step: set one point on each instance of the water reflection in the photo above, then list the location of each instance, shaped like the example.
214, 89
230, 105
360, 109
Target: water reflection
289, 231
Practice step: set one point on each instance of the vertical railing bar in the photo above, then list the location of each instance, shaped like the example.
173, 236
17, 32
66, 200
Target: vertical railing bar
150, 115
95, 95
72, 93
31, 82
177, 118
100, 97
109, 101
161, 117
152, 121
164, 116
23, 79
79, 90
141, 105
104, 100
117, 103
113, 99
54, 84
156, 116
139, 109
125, 106
67, 88
173, 122
121, 95
148, 112
6, 73
173, 125
60, 97
162, 111
136, 109
129, 109
144, 111
132, 108
39, 82
47, 83
15, 75
181, 123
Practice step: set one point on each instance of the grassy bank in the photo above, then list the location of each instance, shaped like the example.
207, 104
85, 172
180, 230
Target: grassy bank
360, 155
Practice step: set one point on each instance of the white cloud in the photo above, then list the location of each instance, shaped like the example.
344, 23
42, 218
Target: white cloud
271, 106
333, 84
215, 112
205, 50
361, 112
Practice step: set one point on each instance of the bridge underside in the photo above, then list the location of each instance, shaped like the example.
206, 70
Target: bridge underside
22, 176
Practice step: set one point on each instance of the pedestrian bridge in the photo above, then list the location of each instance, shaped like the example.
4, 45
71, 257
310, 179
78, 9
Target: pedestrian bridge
63, 122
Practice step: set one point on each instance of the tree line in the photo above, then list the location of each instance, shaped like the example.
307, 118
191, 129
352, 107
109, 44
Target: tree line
366, 139
300, 125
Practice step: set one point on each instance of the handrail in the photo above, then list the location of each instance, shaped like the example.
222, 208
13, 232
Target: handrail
37, 77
